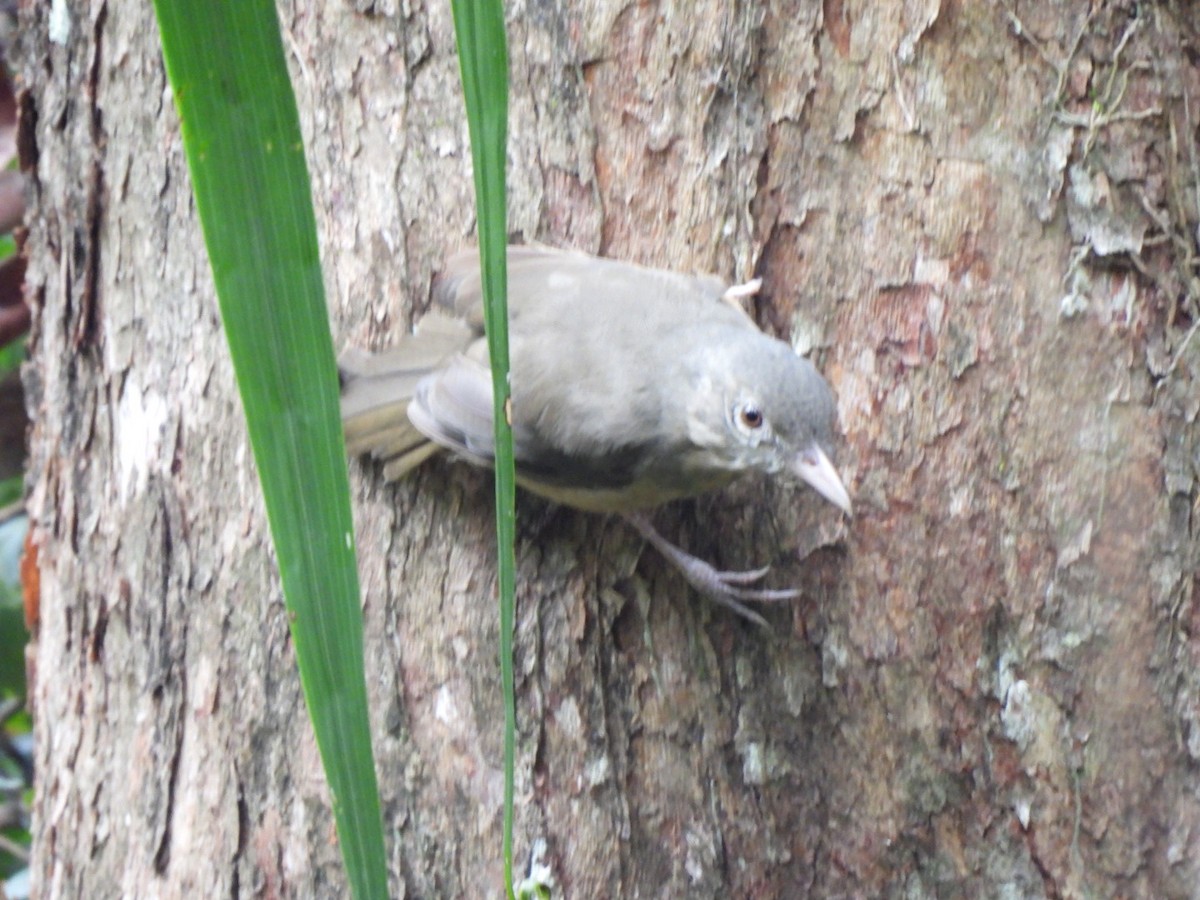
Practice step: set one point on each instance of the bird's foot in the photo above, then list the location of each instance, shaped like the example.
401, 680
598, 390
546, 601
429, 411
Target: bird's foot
738, 292
725, 588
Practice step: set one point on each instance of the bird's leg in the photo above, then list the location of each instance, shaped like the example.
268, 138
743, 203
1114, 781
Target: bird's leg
721, 587
737, 292
736, 295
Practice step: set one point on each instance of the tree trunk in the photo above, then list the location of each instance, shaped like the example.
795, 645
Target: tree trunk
981, 219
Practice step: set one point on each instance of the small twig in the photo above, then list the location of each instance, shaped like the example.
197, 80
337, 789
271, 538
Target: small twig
9, 708
1061, 69
1094, 121
1164, 225
1023, 32
17, 851
1133, 26
1187, 339
1192, 155
909, 116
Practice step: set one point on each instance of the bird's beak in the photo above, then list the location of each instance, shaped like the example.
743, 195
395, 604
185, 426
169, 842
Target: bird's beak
815, 468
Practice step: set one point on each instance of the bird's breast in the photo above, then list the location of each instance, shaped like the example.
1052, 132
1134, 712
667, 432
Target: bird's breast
645, 493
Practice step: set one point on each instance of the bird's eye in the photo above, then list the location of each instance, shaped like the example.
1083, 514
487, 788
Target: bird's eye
751, 416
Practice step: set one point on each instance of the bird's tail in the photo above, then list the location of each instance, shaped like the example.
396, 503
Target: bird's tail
377, 388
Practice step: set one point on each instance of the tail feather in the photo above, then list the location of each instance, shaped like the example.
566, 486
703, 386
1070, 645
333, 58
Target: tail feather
377, 388
399, 466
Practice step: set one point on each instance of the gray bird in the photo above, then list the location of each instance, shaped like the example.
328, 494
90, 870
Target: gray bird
631, 387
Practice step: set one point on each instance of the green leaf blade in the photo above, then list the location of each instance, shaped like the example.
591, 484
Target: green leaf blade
245, 154
483, 60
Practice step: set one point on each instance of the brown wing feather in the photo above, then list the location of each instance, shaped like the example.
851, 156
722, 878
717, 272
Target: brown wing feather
377, 389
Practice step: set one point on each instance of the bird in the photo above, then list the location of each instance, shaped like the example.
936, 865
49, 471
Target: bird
630, 387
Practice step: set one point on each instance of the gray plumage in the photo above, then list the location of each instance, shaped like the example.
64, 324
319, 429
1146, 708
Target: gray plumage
630, 386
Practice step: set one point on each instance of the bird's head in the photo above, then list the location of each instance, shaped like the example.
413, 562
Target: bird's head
758, 405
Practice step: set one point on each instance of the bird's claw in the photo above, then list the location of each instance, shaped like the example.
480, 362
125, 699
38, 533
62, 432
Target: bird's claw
725, 588
748, 577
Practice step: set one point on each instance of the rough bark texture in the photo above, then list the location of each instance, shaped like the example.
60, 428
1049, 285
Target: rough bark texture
981, 218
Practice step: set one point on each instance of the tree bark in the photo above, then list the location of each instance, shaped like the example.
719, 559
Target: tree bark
981, 220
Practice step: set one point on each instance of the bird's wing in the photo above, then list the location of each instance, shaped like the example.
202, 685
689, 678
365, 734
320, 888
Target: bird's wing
591, 343
453, 406
377, 389
591, 340
538, 274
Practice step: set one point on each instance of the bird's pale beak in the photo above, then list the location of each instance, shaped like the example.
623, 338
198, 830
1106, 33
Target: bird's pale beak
814, 467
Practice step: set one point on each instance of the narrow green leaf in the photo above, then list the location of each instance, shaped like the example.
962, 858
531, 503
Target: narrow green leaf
242, 137
483, 59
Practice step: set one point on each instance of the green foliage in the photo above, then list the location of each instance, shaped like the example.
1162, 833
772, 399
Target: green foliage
242, 137
483, 59
13, 635
12, 354
12, 489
